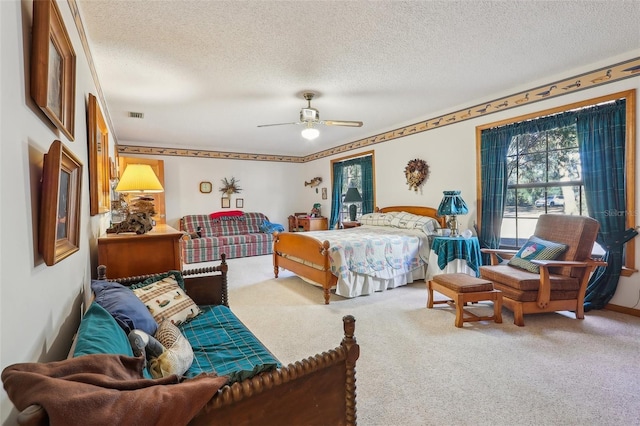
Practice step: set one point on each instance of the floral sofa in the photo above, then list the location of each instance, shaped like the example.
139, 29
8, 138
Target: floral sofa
236, 233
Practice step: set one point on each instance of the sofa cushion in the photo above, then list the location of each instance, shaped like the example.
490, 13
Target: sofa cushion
223, 344
99, 333
524, 280
177, 356
128, 311
536, 249
165, 299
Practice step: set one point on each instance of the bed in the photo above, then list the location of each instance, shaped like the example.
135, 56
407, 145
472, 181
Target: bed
390, 249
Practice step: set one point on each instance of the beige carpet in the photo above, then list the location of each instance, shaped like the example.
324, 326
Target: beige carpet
417, 368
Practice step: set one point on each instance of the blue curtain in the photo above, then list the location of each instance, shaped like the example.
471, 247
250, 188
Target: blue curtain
494, 145
601, 139
336, 195
365, 164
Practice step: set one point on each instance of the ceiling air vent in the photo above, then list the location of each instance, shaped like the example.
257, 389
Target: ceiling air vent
136, 114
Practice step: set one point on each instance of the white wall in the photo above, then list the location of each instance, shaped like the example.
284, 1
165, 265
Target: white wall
40, 304
274, 189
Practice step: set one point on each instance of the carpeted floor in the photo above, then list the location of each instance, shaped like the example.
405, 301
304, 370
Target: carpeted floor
417, 368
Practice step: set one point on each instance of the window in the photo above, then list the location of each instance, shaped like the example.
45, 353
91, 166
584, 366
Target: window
549, 162
356, 171
543, 176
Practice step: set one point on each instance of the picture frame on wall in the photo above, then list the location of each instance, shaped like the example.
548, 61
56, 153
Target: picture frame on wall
99, 162
226, 203
53, 67
324, 193
239, 203
59, 228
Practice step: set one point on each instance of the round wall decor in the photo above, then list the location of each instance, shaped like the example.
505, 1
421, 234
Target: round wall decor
416, 173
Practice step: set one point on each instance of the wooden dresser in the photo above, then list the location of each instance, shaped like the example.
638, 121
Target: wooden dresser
306, 223
129, 254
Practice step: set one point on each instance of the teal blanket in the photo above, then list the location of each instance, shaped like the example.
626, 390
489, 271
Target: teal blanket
222, 344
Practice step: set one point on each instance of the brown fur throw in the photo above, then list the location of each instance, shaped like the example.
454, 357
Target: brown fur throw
107, 390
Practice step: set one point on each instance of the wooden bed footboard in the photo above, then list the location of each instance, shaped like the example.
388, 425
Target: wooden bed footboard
319, 390
306, 257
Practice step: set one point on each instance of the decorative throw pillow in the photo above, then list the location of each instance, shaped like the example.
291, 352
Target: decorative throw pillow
413, 221
128, 311
144, 344
536, 249
99, 333
376, 219
165, 299
177, 356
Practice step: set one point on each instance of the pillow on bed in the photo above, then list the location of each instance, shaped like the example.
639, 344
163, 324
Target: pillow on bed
177, 356
165, 299
406, 220
128, 311
376, 219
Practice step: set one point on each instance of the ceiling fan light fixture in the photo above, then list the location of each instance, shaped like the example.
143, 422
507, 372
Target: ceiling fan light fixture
310, 133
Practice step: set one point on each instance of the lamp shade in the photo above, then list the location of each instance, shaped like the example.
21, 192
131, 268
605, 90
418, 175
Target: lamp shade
452, 204
352, 195
139, 178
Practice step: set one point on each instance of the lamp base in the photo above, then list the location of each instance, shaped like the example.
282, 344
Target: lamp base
140, 223
452, 224
353, 211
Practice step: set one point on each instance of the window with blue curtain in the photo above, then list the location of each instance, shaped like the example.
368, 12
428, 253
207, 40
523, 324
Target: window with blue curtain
570, 162
356, 171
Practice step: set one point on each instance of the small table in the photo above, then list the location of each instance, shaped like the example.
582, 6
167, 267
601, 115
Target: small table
454, 255
129, 254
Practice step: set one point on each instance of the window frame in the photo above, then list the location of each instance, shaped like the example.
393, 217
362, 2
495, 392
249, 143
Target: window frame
373, 171
629, 266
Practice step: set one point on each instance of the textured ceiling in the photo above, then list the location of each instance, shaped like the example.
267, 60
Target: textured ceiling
206, 73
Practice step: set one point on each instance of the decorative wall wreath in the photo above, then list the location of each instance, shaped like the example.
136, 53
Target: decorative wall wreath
416, 173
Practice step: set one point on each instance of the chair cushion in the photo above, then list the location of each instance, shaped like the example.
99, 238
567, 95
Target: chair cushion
521, 285
538, 249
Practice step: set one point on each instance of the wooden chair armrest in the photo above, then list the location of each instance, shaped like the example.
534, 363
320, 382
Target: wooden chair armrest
571, 263
494, 253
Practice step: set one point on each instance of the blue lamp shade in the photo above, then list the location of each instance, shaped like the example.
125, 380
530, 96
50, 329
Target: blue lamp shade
452, 204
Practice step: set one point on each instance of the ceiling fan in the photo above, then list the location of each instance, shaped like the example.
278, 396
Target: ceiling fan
309, 117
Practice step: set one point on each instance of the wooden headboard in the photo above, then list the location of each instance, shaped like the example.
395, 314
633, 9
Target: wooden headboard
419, 210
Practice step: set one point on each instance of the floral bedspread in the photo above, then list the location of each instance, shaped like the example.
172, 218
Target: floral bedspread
378, 251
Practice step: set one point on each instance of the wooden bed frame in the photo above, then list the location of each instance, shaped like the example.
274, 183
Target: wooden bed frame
318, 390
289, 248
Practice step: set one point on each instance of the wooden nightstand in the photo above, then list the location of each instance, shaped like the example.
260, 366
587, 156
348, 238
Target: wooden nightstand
346, 225
130, 254
306, 223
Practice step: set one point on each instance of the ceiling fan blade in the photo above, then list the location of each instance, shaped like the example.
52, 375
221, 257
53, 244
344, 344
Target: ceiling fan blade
278, 124
342, 123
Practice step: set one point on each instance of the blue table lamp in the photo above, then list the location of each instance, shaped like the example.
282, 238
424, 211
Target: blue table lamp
452, 205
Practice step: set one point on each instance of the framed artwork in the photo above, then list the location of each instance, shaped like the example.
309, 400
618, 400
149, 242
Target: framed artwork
59, 229
206, 187
324, 193
53, 67
99, 163
239, 203
226, 203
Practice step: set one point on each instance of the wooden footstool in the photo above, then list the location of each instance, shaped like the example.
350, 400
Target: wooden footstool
463, 288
